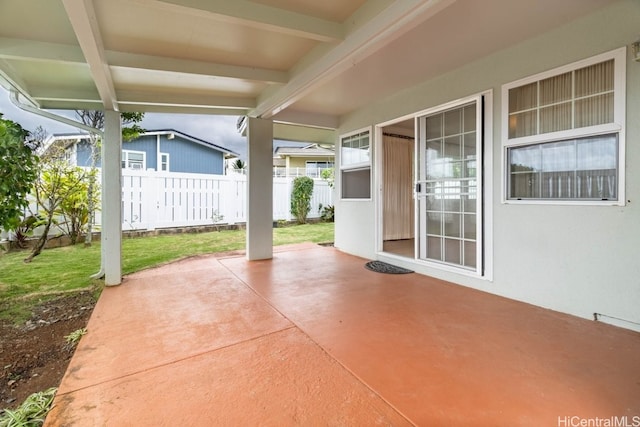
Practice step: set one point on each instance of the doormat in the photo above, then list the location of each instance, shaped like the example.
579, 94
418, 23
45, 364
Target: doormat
383, 267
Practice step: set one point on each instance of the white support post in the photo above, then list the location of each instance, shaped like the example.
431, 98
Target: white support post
112, 199
259, 189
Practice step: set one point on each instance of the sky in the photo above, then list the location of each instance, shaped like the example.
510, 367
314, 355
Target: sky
220, 130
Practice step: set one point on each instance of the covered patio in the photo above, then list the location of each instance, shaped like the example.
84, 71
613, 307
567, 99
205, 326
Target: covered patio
311, 337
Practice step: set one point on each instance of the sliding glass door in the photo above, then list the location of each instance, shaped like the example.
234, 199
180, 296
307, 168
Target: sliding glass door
449, 186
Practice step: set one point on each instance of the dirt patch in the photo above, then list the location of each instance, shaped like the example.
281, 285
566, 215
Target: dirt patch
34, 356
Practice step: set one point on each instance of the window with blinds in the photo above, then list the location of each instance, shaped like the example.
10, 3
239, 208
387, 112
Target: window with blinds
565, 133
571, 100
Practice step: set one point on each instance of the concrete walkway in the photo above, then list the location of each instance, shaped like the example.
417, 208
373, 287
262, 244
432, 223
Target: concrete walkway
311, 338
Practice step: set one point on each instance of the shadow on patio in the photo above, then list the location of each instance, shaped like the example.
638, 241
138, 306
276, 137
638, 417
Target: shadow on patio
313, 338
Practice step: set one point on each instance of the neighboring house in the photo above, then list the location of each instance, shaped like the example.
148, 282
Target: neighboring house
161, 150
307, 160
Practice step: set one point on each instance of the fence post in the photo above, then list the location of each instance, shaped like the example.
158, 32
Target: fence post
150, 198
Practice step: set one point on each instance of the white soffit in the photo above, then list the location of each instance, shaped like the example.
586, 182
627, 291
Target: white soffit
296, 61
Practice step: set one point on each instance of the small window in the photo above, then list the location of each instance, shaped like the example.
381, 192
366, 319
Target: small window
133, 160
355, 165
356, 183
564, 132
354, 149
164, 162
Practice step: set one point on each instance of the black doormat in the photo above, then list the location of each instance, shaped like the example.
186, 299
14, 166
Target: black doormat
383, 267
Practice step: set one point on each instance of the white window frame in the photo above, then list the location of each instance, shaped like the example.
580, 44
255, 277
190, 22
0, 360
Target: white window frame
353, 167
358, 165
125, 159
616, 127
163, 155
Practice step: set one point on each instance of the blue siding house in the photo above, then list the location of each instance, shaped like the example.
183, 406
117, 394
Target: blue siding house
161, 150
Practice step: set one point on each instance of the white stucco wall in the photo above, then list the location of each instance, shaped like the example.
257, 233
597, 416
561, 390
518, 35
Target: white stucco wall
575, 259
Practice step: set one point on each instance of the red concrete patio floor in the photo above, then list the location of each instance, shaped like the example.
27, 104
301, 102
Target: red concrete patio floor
312, 338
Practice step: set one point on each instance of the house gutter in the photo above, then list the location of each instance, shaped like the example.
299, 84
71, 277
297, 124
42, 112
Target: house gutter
15, 100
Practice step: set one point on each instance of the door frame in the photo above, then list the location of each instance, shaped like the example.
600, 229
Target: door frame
487, 186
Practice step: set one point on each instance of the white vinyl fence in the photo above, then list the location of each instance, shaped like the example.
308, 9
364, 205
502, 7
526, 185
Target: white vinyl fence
153, 199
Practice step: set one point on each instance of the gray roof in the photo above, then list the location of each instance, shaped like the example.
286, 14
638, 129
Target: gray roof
311, 150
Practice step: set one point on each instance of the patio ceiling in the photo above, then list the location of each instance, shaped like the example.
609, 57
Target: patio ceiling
294, 61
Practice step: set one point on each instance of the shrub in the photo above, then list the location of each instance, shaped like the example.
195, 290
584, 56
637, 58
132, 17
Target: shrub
301, 198
327, 213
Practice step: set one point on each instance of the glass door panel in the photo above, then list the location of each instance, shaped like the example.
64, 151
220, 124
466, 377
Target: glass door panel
448, 186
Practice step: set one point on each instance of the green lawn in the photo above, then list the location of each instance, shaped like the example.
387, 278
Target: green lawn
67, 269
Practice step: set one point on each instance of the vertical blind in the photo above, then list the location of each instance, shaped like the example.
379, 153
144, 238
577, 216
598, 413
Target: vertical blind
584, 169
572, 100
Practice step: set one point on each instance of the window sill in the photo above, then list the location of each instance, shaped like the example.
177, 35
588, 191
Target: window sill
564, 202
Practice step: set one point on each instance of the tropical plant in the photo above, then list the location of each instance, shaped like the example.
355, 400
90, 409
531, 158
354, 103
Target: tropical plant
301, 198
25, 229
57, 182
239, 164
18, 169
74, 337
327, 212
31, 412
75, 208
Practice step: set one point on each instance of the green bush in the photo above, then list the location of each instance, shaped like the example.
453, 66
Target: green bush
301, 198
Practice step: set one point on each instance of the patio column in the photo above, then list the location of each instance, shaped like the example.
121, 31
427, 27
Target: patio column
112, 199
259, 189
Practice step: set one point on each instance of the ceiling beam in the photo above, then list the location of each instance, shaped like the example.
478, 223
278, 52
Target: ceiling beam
158, 63
29, 50
71, 105
64, 94
307, 119
395, 20
185, 99
214, 111
83, 19
256, 15
289, 132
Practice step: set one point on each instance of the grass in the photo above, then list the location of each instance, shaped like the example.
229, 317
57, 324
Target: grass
68, 269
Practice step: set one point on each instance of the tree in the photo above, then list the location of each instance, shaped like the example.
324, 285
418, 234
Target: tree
18, 171
328, 212
95, 119
57, 182
301, 198
328, 175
